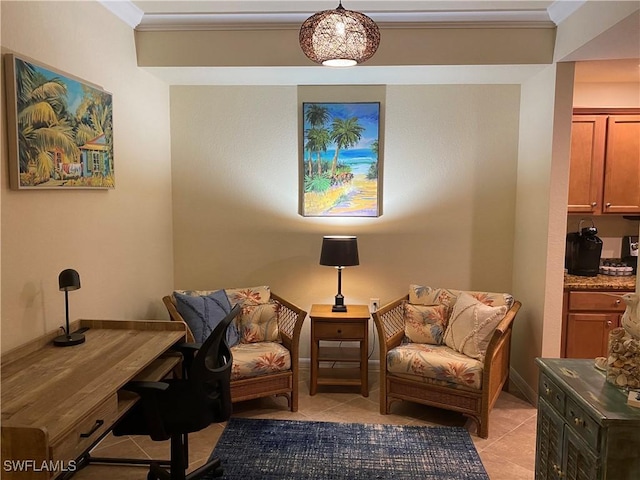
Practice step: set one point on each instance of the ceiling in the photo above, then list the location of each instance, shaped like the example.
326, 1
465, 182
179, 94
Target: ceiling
149, 15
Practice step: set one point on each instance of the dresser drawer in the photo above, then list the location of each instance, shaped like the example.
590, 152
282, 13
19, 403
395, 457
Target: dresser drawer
551, 393
586, 427
339, 331
87, 431
589, 301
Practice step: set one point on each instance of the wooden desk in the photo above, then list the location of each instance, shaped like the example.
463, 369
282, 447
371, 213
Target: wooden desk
349, 326
58, 401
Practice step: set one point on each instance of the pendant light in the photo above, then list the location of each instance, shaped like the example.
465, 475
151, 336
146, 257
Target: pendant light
339, 38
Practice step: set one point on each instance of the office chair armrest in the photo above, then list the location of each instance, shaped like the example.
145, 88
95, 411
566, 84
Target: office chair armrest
189, 348
188, 351
146, 417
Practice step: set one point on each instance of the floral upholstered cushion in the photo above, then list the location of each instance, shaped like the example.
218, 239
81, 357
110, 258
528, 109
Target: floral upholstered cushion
256, 359
471, 326
424, 323
435, 364
249, 295
424, 295
259, 323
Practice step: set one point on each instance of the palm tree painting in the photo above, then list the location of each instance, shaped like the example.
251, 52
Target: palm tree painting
61, 129
340, 160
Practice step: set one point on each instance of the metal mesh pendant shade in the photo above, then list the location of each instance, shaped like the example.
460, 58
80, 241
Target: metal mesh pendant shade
339, 37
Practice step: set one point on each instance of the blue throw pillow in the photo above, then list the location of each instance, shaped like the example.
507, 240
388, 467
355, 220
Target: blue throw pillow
203, 313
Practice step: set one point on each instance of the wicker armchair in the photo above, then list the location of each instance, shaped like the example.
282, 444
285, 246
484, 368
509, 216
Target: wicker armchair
475, 403
285, 383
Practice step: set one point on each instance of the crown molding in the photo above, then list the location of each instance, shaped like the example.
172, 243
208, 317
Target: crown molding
125, 10
133, 16
559, 11
270, 21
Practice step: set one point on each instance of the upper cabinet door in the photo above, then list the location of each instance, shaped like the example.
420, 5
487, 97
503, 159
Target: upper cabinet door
622, 166
587, 163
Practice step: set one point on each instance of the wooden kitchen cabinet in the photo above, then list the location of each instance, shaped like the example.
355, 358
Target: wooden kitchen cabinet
621, 193
588, 334
588, 319
604, 176
586, 169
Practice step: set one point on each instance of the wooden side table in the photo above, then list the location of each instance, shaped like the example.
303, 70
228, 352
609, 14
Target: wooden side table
349, 326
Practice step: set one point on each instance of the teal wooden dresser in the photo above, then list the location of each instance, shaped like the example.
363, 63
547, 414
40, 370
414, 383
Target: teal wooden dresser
586, 430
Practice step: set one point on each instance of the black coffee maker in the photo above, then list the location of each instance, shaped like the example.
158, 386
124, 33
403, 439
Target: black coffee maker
582, 256
630, 252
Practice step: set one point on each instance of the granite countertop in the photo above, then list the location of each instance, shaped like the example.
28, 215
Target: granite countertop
599, 282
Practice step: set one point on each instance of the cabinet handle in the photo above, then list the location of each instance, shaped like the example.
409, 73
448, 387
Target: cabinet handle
608, 323
618, 302
95, 427
547, 391
594, 204
578, 421
558, 471
608, 204
339, 332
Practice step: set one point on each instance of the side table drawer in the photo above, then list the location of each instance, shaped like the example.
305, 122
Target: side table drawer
551, 393
87, 431
339, 331
583, 424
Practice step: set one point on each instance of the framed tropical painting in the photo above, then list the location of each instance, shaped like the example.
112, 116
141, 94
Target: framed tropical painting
60, 129
340, 160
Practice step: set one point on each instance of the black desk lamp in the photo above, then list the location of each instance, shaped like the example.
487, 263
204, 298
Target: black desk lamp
339, 252
68, 280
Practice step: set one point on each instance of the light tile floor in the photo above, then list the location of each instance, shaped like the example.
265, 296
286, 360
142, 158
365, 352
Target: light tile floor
508, 453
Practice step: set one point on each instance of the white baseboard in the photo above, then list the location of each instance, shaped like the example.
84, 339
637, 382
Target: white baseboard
519, 383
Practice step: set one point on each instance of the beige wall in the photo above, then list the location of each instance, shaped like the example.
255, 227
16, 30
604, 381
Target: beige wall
118, 240
532, 221
623, 94
278, 47
450, 158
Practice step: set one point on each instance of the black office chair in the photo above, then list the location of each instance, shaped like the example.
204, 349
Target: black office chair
174, 408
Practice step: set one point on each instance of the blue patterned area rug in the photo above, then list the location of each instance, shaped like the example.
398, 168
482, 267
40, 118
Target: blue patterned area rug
256, 449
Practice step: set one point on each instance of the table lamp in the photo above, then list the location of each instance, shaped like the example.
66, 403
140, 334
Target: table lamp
339, 251
68, 280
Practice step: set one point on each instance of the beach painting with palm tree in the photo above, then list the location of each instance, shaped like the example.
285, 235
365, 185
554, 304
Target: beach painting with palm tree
60, 127
340, 160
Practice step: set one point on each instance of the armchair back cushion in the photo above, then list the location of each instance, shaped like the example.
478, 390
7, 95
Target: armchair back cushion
259, 323
249, 296
203, 312
471, 326
425, 323
424, 295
